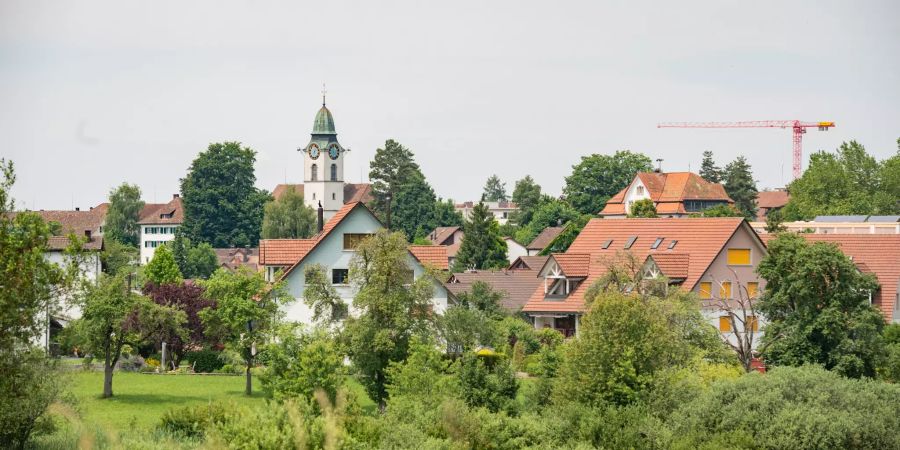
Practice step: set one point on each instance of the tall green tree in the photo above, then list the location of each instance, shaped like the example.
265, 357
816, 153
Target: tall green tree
709, 171
849, 181
222, 205
246, 313
194, 261
816, 302
113, 315
740, 186
551, 212
124, 211
391, 168
414, 210
482, 247
163, 269
723, 210
494, 190
446, 215
527, 197
643, 208
598, 177
288, 217
392, 309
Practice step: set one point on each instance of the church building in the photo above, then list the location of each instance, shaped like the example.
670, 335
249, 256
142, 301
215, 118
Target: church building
323, 170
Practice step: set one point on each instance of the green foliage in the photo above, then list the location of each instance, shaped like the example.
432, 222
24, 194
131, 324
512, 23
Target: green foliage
491, 385
598, 177
413, 212
494, 190
482, 247
527, 197
740, 186
299, 364
30, 383
194, 261
446, 215
320, 295
204, 361
116, 257
802, 408
849, 181
817, 306
774, 222
193, 421
124, 211
482, 297
463, 329
390, 311
723, 210
163, 269
551, 212
563, 240
392, 167
221, 204
288, 217
246, 312
709, 171
643, 209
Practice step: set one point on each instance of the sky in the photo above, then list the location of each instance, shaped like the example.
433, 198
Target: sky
96, 93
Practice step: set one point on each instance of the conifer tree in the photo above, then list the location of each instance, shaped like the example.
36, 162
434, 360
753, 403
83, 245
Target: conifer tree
482, 247
740, 186
392, 167
709, 171
495, 190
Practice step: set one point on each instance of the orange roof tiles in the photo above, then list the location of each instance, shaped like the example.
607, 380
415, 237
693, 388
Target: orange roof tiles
516, 285
873, 253
543, 239
283, 252
672, 265
171, 212
701, 238
573, 265
669, 191
772, 199
431, 255
353, 192
60, 243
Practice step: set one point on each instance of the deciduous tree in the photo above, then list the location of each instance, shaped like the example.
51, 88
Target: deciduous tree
163, 269
551, 212
321, 296
124, 211
482, 247
222, 205
413, 212
288, 217
527, 197
187, 297
643, 208
598, 177
391, 168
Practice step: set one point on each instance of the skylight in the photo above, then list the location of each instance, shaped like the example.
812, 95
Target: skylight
672, 244
606, 244
656, 243
630, 242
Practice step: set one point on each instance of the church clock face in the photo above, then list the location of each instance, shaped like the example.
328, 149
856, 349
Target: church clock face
314, 151
333, 151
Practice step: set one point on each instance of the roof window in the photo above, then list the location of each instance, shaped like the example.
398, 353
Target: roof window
656, 243
672, 244
606, 244
630, 242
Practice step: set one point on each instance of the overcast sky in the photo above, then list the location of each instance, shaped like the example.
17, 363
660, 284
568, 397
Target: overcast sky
96, 93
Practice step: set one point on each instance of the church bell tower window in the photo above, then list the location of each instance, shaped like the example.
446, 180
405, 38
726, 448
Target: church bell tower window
334, 172
314, 173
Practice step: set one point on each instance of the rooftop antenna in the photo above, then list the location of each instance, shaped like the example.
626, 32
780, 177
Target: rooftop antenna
324, 91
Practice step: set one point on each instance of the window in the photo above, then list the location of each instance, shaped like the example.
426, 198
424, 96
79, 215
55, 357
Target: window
314, 172
752, 289
630, 242
726, 290
333, 197
640, 190
340, 276
334, 172
607, 244
705, 289
752, 323
672, 244
725, 324
352, 240
738, 256
656, 243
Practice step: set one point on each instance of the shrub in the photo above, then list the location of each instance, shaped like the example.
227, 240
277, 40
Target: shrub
88, 362
29, 384
299, 364
130, 363
491, 385
549, 337
193, 421
204, 361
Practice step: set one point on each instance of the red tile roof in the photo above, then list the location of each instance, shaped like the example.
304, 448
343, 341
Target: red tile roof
543, 239
701, 238
528, 263
440, 235
232, 258
573, 265
772, 199
878, 254
283, 252
669, 191
434, 256
672, 265
60, 243
160, 213
72, 221
516, 285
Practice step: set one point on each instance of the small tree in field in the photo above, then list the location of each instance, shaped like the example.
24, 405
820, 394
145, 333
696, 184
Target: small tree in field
246, 311
113, 316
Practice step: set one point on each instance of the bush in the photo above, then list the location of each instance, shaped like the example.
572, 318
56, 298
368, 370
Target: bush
193, 421
29, 384
799, 408
88, 362
299, 364
491, 385
204, 361
130, 363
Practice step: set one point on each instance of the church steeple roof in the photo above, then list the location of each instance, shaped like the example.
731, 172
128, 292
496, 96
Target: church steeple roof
324, 123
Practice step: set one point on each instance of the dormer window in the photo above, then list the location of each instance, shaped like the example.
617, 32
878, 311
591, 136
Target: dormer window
640, 190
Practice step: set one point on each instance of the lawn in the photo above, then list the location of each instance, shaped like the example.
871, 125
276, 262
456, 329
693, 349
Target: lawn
139, 400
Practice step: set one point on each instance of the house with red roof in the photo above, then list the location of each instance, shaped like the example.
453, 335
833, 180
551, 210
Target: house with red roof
714, 257
157, 224
675, 194
333, 247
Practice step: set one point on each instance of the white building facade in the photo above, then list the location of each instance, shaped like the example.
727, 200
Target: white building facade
158, 227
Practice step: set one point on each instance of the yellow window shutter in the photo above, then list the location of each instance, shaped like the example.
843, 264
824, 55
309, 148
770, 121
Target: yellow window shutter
738, 256
724, 324
752, 323
752, 289
706, 289
726, 290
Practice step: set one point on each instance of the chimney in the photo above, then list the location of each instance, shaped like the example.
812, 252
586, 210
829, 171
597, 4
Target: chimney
321, 222
77, 209
174, 196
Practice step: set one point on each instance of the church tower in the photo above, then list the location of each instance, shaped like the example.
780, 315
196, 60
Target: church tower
323, 165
